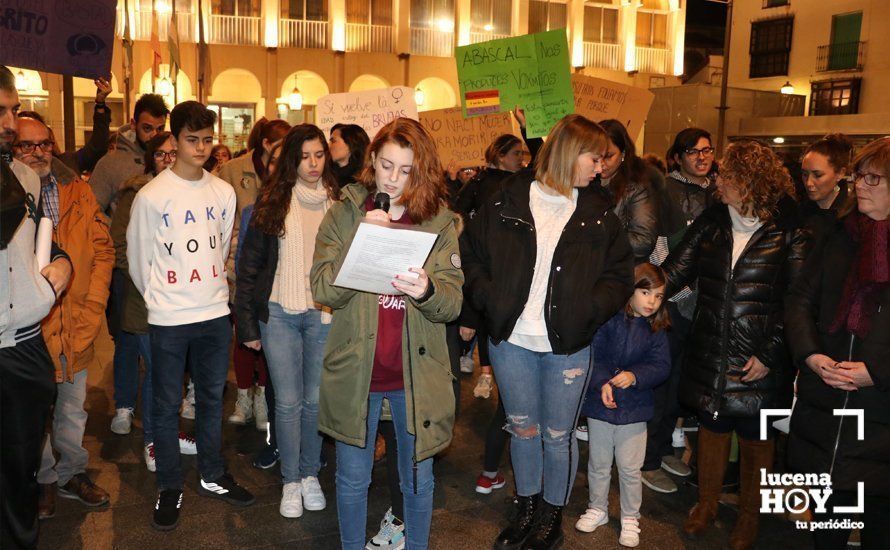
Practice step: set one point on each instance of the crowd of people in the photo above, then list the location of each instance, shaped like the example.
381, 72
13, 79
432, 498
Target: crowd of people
612, 299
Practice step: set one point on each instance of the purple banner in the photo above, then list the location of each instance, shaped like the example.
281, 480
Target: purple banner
73, 37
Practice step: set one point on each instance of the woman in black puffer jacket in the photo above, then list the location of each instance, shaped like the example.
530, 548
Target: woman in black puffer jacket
837, 322
744, 253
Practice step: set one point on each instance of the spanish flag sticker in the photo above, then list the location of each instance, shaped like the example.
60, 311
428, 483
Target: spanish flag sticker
483, 102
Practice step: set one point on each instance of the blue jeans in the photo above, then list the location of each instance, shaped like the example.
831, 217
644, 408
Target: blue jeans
294, 348
206, 346
354, 476
128, 347
542, 393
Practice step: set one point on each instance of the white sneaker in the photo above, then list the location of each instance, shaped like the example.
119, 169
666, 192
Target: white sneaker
291, 501
187, 444
243, 408
678, 438
122, 421
483, 386
149, 454
313, 498
391, 535
260, 413
630, 532
466, 364
581, 433
591, 519
188, 410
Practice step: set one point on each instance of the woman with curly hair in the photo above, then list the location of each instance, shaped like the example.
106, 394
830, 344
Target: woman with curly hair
277, 310
390, 346
744, 252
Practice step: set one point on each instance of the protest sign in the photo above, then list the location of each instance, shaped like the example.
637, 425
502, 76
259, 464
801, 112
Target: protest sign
72, 38
599, 99
371, 109
530, 71
462, 141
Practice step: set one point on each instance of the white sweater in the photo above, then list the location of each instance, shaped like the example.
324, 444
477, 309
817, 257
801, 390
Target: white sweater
551, 214
177, 243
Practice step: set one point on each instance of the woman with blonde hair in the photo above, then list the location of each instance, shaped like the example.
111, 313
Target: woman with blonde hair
745, 252
547, 263
390, 346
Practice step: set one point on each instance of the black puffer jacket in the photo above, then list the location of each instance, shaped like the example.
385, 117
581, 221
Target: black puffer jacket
739, 311
591, 276
810, 310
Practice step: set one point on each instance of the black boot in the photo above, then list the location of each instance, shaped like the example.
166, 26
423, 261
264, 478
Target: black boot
548, 535
522, 525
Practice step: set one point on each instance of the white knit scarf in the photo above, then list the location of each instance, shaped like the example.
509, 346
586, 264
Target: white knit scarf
292, 293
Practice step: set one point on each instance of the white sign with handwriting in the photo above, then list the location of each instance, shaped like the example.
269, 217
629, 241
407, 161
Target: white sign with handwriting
372, 109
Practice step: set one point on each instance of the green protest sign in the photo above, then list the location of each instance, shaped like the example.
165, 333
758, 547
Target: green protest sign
531, 71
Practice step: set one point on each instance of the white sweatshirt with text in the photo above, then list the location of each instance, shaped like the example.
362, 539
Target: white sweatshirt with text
177, 243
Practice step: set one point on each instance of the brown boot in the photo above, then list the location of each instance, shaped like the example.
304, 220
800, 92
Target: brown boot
713, 454
46, 503
754, 455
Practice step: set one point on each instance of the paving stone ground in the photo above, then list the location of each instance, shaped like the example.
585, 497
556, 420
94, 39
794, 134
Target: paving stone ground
462, 519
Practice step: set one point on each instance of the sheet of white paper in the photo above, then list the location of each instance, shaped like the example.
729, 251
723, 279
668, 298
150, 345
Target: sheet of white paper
44, 241
379, 252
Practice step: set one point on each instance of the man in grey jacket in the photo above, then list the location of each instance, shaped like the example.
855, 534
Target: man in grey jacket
127, 159
27, 378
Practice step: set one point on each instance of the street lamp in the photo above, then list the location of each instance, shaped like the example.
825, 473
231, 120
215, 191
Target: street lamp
419, 96
295, 99
787, 88
164, 87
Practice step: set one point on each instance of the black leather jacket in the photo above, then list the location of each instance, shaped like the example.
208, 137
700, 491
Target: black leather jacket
591, 276
739, 312
639, 212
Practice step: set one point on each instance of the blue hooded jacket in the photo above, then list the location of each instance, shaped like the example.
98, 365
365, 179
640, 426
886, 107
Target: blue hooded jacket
627, 344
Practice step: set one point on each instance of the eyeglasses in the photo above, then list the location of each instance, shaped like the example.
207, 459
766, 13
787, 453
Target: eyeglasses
162, 155
704, 151
871, 179
27, 147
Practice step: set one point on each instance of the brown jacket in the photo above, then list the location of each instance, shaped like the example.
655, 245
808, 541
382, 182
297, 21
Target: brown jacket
74, 321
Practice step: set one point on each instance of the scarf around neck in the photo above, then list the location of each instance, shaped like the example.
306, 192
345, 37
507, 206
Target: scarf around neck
868, 275
293, 295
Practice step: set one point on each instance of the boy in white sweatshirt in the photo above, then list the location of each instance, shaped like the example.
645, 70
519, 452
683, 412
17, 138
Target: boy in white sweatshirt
178, 240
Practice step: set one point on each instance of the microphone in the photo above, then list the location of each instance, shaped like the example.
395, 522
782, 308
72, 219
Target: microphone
381, 202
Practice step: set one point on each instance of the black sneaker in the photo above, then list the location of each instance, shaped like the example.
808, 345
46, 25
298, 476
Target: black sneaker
166, 514
225, 488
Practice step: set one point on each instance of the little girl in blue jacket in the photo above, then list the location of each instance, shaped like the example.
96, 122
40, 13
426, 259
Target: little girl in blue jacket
630, 358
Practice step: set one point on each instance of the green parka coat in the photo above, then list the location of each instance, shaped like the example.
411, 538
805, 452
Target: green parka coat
349, 354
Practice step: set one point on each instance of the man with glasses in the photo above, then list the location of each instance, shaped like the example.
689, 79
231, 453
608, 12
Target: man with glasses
688, 190
26, 296
73, 324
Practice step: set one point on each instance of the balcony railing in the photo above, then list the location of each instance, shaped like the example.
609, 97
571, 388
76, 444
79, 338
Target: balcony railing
601, 55
652, 60
476, 37
368, 38
297, 33
845, 56
185, 23
432, 42
235, 29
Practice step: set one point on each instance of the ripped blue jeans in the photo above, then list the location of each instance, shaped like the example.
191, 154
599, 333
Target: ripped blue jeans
542, 394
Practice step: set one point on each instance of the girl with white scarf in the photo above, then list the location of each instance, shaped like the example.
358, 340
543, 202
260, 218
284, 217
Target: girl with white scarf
275, 309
